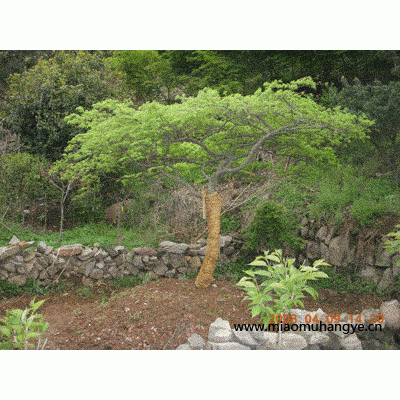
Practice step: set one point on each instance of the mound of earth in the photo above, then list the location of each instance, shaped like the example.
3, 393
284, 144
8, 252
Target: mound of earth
156, 315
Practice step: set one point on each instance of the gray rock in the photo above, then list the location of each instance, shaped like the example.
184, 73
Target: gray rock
18, 279
313, 347
339, 251
121, 250
386, 279
245, 338
333, 344
144, 251
225, 241
391, 313
369, 273
351, 342
86, 253
382, 258
396, 264
221, 336
313, 251
318, 338
41, 247
176, 260
88, 268
14, 240
70, 250
96, 274
269, 340
172, 247
367, 315
292, 341
170, 273
137, 262
196, 342
110, 250
160, 270
229, 346
184, 346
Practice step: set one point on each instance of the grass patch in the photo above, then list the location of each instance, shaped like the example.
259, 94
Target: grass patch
87, 235
32, 287
346, 283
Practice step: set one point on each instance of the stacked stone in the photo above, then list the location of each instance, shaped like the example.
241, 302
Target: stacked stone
222, 337
343, 251
98, 263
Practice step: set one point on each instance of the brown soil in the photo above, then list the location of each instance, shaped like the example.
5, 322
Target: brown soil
157, 315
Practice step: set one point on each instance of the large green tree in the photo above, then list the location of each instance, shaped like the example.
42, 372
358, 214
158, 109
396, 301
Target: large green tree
206, 138
381, 103
148, 74
39, 98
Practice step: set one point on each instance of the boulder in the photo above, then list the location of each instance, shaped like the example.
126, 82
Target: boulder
172, 247
391, 313
339, 253
369, 273
386, 279
196, 342
110, 250
292, 341
70, 250
41, 247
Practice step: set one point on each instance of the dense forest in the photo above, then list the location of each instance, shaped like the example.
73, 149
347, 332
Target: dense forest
83, 130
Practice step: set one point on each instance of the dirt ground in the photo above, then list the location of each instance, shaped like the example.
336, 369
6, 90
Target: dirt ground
156, 315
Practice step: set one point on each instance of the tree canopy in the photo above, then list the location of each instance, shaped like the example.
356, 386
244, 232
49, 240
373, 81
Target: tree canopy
203, 138
39, 98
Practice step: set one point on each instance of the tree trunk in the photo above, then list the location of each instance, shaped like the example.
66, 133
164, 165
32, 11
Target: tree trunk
213, 212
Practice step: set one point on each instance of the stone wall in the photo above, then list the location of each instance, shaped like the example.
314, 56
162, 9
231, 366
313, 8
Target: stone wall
359, 253
20, 261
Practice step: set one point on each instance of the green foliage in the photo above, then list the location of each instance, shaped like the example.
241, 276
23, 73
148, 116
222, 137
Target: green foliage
342, 283
271, 228
393, 245
281, 283
148, 73
330, 194
380, 103
8, 289
84, 291
129, 281
87, 235
229, 223
38, 99
21, 183
31, 286
209, 135
19, 328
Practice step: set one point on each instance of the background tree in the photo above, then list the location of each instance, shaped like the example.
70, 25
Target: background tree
148, 74
204, 139
381, 104
39, 99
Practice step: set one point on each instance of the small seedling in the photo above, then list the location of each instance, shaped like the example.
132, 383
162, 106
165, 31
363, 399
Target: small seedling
19, 327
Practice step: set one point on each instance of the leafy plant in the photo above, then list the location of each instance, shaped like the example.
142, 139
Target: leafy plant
282, 283
19, 327
393, 246
271, 228
84, 291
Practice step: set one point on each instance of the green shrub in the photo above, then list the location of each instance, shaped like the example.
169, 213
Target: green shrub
229, 223
331, 193
21, 183
272, 227
281, 283
18, 328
